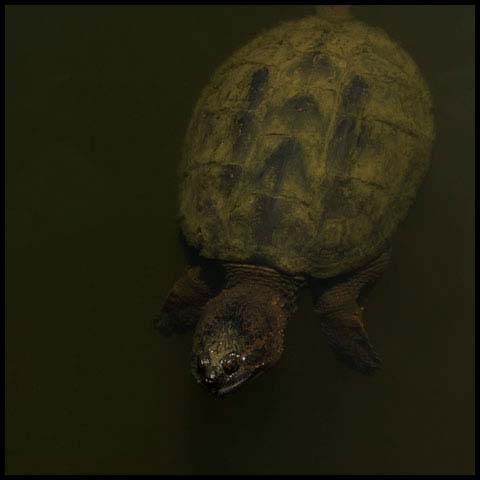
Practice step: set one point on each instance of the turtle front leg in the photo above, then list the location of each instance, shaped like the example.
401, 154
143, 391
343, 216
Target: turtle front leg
337, 303
184, 303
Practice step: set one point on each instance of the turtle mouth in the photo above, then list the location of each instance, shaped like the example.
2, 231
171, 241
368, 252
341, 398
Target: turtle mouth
233, 386
230, 384
230, 387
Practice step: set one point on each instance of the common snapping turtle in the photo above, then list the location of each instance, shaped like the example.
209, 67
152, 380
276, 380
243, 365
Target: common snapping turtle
303, 156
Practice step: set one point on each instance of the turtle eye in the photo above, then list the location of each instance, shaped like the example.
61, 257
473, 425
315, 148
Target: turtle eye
230, 363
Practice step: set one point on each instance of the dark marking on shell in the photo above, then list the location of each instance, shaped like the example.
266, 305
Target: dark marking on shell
363, 137
301, 104
342, 200
258, 85
341, 146
243, 132
349, 137
354, 95
286, 158
268, 212
229, 178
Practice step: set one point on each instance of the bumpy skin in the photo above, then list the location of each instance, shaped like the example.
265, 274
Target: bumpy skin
306, 149
241, 331
239, 313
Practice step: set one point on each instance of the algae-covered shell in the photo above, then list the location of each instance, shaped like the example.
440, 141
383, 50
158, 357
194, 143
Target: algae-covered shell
306, 149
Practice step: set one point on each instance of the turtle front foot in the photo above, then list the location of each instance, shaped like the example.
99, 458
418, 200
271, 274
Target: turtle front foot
350, 343
184, 303
336, 302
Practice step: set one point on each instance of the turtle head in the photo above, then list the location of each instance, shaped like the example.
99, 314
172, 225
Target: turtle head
239, 336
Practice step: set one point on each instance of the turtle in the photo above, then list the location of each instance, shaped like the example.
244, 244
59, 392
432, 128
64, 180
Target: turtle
303, 155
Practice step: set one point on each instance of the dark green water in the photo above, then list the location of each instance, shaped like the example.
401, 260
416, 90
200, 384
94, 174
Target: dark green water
98, 99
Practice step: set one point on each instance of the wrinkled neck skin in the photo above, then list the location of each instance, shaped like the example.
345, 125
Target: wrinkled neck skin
242, 329
245, 276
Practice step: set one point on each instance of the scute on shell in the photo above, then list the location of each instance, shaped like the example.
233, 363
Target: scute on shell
306, 149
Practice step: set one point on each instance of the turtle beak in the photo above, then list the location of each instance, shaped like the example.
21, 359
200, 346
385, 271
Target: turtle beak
218, 384
232, 386
235, 384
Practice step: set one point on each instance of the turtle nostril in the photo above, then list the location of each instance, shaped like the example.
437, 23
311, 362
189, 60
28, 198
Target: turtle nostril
211, 378
202, 364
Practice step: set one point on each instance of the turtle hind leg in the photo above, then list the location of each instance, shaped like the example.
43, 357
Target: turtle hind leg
184, 303
337, 304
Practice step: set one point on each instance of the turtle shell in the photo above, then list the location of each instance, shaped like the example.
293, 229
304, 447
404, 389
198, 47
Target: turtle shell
306, 149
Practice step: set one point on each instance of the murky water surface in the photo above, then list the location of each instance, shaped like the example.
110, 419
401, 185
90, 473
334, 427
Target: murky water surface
97, 104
